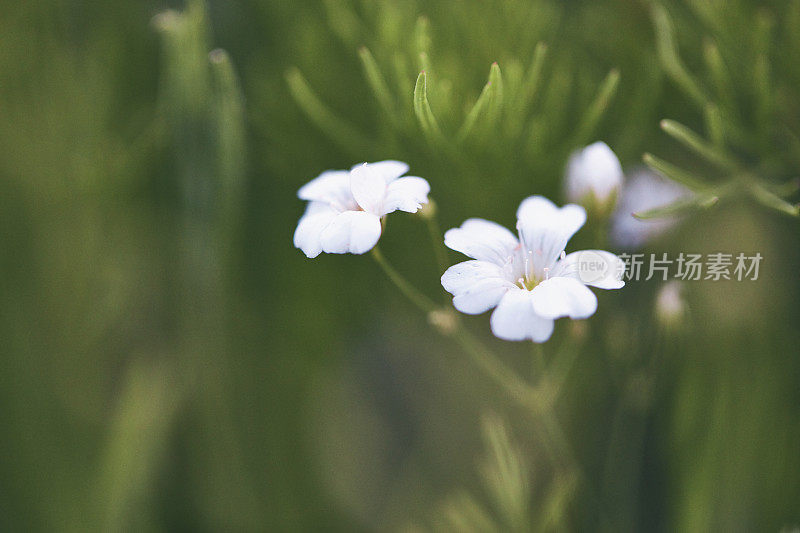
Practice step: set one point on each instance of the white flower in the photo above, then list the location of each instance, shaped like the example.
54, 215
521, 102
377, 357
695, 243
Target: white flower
345, 207
643, 190
530, 280
593, 174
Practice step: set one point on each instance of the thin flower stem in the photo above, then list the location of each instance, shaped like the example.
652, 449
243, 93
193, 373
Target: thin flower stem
533, 399
411, 292
438, 242
482, 357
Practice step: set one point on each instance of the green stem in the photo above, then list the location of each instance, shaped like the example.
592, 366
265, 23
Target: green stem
416, 297
481, 356
496, 369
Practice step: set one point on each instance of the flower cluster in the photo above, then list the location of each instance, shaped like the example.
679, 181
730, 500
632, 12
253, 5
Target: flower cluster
527, 278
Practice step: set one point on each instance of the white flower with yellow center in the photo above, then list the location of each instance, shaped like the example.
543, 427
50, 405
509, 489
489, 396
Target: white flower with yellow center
345, 207
530, 280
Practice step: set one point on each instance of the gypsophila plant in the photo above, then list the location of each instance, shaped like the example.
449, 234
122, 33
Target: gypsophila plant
530, 279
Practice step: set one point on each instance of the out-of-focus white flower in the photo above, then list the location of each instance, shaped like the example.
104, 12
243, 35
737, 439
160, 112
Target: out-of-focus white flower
670, 306
594, 177
529, 279
643, 190
345, 207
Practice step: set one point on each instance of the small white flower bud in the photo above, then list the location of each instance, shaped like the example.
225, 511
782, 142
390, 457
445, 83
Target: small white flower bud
594, 177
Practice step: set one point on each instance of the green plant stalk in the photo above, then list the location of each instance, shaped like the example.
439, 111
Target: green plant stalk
435, 233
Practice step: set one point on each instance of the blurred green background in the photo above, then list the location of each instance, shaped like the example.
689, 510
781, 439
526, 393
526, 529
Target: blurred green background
171, 362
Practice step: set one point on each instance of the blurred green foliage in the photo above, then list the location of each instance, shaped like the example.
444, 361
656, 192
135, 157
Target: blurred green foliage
172, 363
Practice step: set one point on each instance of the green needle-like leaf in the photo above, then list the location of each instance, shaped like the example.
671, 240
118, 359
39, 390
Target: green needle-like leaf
769, 199
679, 207
674, 173
597, 109
377, 83
697, 144
719, 72
715, 126
533, 79
422, 42
670, 59
326, 120
488, 103
422, 108
787, 189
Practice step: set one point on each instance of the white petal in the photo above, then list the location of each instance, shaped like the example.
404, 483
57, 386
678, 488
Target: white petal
332, 186
307, 235
481, 296
460, 277
545, 229
557, 297
595, 170
515, 319
597, 268
406, 194
368, 187
483, 240
389, 170
352, 232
